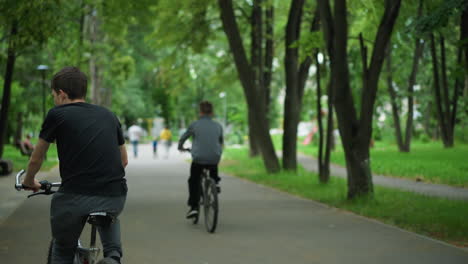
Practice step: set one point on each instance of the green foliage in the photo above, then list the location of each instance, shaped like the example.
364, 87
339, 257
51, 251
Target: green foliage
308, 43
33, 29
21, 162
160, 58
435, 217
122, 68
439, 16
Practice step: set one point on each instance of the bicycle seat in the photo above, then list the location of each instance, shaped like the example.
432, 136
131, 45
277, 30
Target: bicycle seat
101, 218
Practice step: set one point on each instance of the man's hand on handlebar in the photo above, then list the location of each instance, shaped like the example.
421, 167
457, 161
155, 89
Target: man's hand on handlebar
33, 186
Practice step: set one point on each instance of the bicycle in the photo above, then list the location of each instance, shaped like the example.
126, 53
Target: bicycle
208, 200
83, 255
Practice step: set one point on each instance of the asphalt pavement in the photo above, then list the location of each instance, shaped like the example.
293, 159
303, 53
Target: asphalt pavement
257, 225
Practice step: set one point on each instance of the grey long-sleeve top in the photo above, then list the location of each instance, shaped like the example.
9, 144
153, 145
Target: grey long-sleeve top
207, 141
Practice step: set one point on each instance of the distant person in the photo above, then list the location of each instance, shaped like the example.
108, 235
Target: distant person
207, 147
166, 140
134, 134
155, 147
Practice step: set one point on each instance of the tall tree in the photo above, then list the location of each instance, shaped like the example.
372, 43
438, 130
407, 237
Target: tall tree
325, 140
249, 77
11, 58
446, 107
404, 143
355, 133
26, 30
262, 47
437, 24
296, 76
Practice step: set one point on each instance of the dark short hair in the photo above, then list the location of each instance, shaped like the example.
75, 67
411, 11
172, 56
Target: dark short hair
72, 81
206, 108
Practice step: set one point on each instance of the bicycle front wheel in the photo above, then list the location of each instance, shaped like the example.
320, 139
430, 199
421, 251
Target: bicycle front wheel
210, 204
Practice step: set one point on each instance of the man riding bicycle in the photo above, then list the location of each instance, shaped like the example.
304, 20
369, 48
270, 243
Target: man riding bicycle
92, 158
207, 137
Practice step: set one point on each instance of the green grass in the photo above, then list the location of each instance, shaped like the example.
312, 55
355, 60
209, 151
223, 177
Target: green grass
429, 162
21, 162
435, 217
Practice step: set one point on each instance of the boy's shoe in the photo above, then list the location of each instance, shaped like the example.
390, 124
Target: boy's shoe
192, 213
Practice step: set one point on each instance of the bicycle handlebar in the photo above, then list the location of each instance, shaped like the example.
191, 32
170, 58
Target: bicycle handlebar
45, 185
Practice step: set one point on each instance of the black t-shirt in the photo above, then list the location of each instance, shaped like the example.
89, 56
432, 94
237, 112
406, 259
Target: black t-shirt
88, 139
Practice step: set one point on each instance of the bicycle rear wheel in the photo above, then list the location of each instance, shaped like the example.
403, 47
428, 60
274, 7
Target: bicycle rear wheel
76, 259
210, 204
49, 253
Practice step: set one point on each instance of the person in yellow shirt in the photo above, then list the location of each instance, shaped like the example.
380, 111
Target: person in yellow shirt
165, 138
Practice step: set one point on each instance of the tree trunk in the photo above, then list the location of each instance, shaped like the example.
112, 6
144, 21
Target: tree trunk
19, 128
393, 101
269, 52
438, 94
418, 52
323, 175
260, 128
404, 143
329, 144
10, 65
296, 76
355, 134
81, 32
254, 149
446, 94
292, 107
256, 64
94, 67
464, 36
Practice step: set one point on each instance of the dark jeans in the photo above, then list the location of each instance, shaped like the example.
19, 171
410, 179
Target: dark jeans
68, 217
194, 181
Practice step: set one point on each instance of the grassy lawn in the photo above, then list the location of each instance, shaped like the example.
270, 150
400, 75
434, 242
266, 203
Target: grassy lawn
435, 217
21, 162
430, 162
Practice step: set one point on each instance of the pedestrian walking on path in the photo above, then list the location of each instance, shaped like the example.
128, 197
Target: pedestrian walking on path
166, 140
134, 134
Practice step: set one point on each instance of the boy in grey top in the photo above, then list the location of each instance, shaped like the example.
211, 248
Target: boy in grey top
207, 147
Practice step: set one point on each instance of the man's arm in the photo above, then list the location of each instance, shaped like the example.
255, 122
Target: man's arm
35, 163
123, 155
221, 137
184, 137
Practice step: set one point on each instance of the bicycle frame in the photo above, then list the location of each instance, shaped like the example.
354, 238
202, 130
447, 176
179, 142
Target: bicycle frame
83, 255
89, 255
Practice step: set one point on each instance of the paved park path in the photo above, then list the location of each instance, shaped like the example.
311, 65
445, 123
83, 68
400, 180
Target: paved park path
438, 190
257, 225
